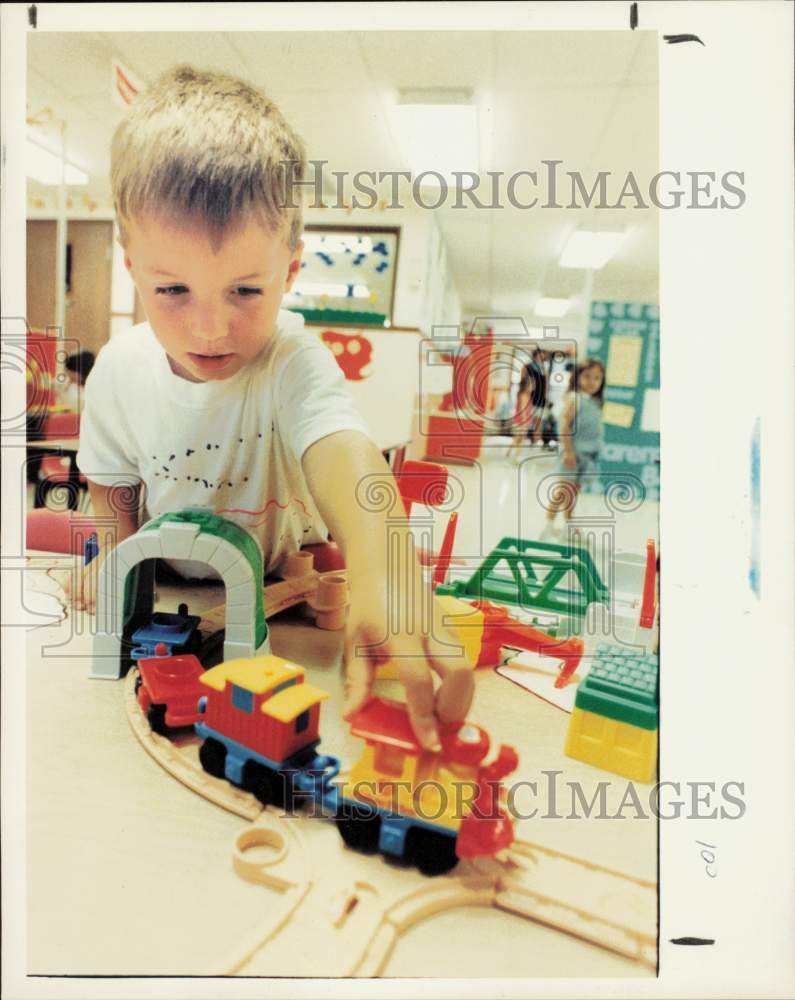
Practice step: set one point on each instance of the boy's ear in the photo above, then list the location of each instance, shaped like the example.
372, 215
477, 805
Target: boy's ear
294, 266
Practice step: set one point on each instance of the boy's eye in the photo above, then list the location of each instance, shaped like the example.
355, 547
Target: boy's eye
245, 291
171, 290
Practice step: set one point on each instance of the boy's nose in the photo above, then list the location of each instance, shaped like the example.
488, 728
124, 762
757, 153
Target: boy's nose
209, 327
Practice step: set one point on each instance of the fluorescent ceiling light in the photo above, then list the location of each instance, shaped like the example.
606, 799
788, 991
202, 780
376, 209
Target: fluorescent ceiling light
552, 307
587, 249
45, 167
320, 243
437, 130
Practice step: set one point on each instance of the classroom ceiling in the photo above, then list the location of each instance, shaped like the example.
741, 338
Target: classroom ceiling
588, 99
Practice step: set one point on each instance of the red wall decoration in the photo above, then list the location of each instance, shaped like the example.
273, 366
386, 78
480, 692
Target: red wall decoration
353, 352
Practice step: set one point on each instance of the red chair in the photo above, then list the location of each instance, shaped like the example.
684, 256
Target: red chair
61, 425
57, 531
418, 482
422, 482
55, 469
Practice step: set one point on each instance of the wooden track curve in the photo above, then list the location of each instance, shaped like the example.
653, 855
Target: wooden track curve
610, 909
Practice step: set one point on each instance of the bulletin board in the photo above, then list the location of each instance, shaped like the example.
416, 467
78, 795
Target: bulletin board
381, 369
347, 275
625, 337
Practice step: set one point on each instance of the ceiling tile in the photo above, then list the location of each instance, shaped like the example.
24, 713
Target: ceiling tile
588, 99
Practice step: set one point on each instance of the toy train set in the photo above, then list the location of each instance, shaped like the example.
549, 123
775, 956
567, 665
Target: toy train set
259, 723
259, 720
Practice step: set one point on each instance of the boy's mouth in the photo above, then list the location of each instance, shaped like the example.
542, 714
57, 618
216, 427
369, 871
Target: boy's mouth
210, 362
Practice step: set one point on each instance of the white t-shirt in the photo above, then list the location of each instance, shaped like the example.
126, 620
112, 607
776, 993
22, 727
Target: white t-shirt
233, 445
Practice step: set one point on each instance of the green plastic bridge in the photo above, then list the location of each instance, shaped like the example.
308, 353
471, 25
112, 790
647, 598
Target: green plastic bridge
523, 585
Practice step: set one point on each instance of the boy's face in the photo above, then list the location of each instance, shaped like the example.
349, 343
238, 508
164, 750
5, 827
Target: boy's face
212, 309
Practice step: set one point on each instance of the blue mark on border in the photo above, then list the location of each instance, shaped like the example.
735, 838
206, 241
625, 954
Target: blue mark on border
754, 572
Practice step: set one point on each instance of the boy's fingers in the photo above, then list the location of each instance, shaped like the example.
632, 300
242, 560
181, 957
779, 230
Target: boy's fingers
445, 660
416, 679
359, 672
454, 697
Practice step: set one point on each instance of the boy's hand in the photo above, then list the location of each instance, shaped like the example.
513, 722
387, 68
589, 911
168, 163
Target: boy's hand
569, 460
414, 655
80, 586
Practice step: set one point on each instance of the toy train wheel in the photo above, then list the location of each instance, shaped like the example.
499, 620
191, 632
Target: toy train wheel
433, 853
157, 719
359, 829
212, 755
272, 788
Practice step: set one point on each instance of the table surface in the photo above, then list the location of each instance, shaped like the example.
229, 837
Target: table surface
129, 872
64, 443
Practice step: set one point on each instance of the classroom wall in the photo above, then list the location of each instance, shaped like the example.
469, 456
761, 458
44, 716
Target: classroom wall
87, 317
425, 291
40, 273
88, 303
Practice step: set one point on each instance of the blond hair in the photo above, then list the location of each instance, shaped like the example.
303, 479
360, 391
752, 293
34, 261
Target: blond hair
208, 149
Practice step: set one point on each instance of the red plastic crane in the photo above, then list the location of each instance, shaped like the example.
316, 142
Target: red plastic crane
501, 629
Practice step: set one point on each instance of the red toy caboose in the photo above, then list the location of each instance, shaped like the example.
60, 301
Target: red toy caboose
240, 693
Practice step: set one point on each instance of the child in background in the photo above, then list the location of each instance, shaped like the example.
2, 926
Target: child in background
521, 418
530, 401
503, 412
222, 400
77, 368
580, 442
549, 428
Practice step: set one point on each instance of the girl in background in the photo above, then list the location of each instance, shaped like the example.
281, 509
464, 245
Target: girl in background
580, 442
530, 402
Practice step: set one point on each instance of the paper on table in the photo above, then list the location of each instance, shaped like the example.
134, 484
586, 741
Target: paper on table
42, 600
537, 674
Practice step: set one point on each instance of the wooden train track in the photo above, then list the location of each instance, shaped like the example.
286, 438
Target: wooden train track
307, 587
182, 767
358, 932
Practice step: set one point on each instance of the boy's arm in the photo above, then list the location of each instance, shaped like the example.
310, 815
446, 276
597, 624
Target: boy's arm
126, 518
386, 622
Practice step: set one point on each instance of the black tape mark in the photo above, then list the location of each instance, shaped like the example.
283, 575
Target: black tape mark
33, 15
675, 39
633, 16
692, 940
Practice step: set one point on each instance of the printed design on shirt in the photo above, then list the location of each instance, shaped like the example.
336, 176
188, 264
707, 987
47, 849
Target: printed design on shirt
184, 470
271, 503
353, 353
305, 523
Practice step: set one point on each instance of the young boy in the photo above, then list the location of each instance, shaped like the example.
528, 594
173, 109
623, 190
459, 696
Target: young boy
222, 400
